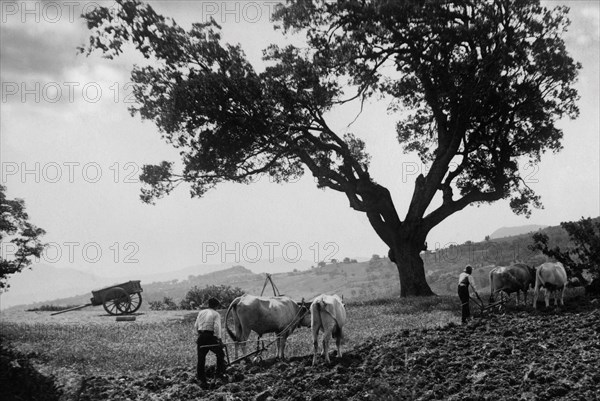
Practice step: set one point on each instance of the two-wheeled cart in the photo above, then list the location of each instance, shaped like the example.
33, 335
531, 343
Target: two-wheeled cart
119, 299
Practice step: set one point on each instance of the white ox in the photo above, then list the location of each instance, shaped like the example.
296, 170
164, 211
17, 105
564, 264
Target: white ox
279, 315
553, 278
328, 314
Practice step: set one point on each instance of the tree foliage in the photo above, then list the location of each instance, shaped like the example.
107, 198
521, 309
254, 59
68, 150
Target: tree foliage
167, 303
481, 85
484, 82
19, 238
583, 256
198, 297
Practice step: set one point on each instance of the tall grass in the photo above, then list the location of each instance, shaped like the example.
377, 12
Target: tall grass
113, 348
130, 348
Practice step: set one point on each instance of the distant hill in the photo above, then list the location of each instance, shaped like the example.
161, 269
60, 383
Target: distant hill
43, 282
442, 266
370, 279
511, 231
366, 279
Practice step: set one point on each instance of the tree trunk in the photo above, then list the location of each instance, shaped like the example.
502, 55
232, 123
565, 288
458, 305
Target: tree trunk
406, 255
406, 239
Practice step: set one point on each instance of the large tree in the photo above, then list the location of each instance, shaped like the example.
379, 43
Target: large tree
482, 84
20, 240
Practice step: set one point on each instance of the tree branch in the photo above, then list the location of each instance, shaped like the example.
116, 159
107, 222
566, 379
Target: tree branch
450, 207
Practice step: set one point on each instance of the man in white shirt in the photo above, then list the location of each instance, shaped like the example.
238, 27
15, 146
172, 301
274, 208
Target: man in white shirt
464, 281
208, 326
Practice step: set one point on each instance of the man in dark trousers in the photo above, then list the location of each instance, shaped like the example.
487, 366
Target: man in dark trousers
464, 281
208, 325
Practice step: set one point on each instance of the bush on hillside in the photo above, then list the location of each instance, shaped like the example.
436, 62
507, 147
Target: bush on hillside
155, 305
197, 297
167, 303
582, 257
51, 308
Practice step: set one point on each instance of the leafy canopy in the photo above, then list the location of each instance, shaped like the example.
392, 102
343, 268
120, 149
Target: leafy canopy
483, 84
19, 238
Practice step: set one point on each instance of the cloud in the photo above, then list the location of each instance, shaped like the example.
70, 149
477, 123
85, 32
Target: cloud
28, 53
40, 64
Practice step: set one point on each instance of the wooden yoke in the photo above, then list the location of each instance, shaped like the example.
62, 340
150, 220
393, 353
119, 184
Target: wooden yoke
275, 290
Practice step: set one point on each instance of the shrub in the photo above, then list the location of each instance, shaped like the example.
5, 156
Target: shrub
155, 305
166, 304
50, 308
169, 303
197, 297
582, 256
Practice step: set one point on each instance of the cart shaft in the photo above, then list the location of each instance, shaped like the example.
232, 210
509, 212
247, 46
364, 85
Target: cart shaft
70, 309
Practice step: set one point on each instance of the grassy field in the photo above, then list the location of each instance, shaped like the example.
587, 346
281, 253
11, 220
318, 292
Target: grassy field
91, 342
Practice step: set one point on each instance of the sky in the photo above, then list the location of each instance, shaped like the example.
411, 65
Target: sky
72, 151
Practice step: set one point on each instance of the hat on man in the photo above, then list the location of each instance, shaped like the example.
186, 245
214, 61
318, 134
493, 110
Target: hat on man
468, 269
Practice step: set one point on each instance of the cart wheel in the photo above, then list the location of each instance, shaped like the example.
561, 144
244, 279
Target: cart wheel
135, 301
116, 301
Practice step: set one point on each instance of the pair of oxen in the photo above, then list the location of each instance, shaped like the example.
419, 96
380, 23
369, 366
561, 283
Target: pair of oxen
550, 276
282, 315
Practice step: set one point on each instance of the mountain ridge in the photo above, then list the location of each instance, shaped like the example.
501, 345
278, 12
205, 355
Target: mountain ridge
365, 279
42, 282
504, 232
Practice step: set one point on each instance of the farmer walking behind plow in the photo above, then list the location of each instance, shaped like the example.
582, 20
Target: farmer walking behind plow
464, 281
208, 325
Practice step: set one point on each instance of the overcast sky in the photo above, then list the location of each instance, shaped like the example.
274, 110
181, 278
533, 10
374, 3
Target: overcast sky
70, 148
